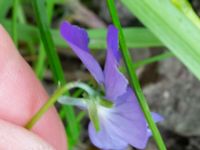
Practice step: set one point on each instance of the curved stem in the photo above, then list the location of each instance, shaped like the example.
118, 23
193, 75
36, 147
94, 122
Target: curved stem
60, 91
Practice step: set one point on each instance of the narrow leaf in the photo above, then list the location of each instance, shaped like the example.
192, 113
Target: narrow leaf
136, 37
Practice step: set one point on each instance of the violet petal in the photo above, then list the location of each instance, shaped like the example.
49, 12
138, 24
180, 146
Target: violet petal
113, 42
123, 124
77, 39
157, 118
129, 121
105, 139
115, 81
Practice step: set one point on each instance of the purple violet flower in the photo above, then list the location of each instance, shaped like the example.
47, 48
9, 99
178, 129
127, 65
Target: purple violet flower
124, 123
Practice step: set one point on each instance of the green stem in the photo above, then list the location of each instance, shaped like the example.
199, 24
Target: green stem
133, 77
45, 107
59, 92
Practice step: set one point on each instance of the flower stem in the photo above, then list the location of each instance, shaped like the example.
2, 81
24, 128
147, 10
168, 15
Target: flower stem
59, 92
133, 77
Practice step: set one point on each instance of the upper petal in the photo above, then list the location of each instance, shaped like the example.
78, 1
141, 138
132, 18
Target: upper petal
113, 42
115, 81
77, 39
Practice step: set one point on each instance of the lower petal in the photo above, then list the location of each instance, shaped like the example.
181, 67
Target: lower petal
129, 121
157, 117
106, 138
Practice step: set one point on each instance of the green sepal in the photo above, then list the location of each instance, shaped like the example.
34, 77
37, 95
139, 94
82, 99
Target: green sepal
67, 100
106, 103
93, 114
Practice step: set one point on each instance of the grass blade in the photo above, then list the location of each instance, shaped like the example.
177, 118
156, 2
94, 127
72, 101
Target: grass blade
47, 40
153, 59
40, 64
185, 7
53, 60
133, 77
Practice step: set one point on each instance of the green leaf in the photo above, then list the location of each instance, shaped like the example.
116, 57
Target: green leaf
172, 27
185, 7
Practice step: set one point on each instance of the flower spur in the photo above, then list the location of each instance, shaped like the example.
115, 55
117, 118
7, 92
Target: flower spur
123, 124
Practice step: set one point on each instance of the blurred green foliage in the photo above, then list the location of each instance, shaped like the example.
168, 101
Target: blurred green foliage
167, 25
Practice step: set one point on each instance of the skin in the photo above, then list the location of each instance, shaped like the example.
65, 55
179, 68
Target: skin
21, 95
